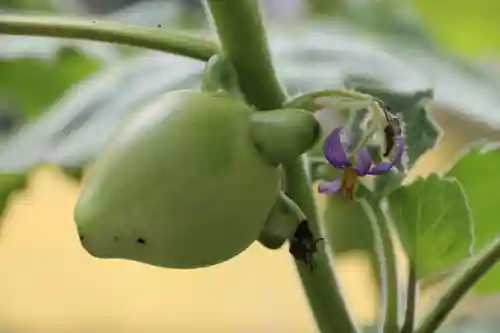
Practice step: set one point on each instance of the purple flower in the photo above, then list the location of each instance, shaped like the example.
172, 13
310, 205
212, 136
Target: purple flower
337, 156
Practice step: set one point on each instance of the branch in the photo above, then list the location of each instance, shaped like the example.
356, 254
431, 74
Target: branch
243, 39
461, 283
105, 31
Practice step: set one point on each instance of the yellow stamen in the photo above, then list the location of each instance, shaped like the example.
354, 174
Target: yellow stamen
349, 184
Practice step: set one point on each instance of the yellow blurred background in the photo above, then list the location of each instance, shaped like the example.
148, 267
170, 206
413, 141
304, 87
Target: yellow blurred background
49, 284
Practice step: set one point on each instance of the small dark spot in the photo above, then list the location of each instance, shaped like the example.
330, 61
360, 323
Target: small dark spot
141, 240
303, 245
93, 21
81, 238
116, 239
159, 25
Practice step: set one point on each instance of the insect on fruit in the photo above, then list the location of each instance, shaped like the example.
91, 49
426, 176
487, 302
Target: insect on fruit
303, 245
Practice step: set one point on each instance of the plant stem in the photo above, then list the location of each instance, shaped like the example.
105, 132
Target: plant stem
243, 39
388, 267
242, 35
321, 285
105, 31
411, 299
470, 274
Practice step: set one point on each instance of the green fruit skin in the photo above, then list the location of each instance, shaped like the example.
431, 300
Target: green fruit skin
181, 185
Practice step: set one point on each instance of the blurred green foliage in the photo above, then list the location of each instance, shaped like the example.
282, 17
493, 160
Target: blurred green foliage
469, 27
32, 85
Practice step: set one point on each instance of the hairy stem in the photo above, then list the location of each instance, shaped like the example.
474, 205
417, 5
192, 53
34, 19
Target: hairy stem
243, 40
461, 283
68, 27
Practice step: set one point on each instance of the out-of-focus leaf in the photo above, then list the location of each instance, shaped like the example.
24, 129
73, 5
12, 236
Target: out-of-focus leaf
478, 172
149, 14
463, 25
434, 222
349, 222
34, 84
35, 71
41, 5
80, 123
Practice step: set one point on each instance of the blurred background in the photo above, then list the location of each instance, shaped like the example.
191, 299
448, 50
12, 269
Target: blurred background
51, 95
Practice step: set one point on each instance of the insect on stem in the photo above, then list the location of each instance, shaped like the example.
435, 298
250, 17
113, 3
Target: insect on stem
303, 245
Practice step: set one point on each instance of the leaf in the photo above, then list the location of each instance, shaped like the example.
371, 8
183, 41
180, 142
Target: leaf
34, 84
80, 123
434, 222
421, 134
478, 172
479, 19
348, 228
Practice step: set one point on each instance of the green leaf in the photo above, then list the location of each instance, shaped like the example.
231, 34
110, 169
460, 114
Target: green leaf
478, 172
79, 124
434, 222
348, 229
34, 84
478, 18
420, 132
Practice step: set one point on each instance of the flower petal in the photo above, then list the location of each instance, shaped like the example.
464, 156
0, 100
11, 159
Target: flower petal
363, 162
381, 168
400, 143
330, 187
386, 166
334, 151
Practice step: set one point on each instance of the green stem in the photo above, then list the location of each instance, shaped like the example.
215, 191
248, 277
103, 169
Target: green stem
243, 39
242, 35
68, 27
411, 299
321, 285
461, 283
388, 267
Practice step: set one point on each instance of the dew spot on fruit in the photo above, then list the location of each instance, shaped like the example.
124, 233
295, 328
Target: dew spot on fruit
141, 241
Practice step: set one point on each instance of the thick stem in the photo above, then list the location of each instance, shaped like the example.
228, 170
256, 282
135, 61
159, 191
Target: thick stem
321, 285
241, 32
68, 27
243, 40
461, 283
